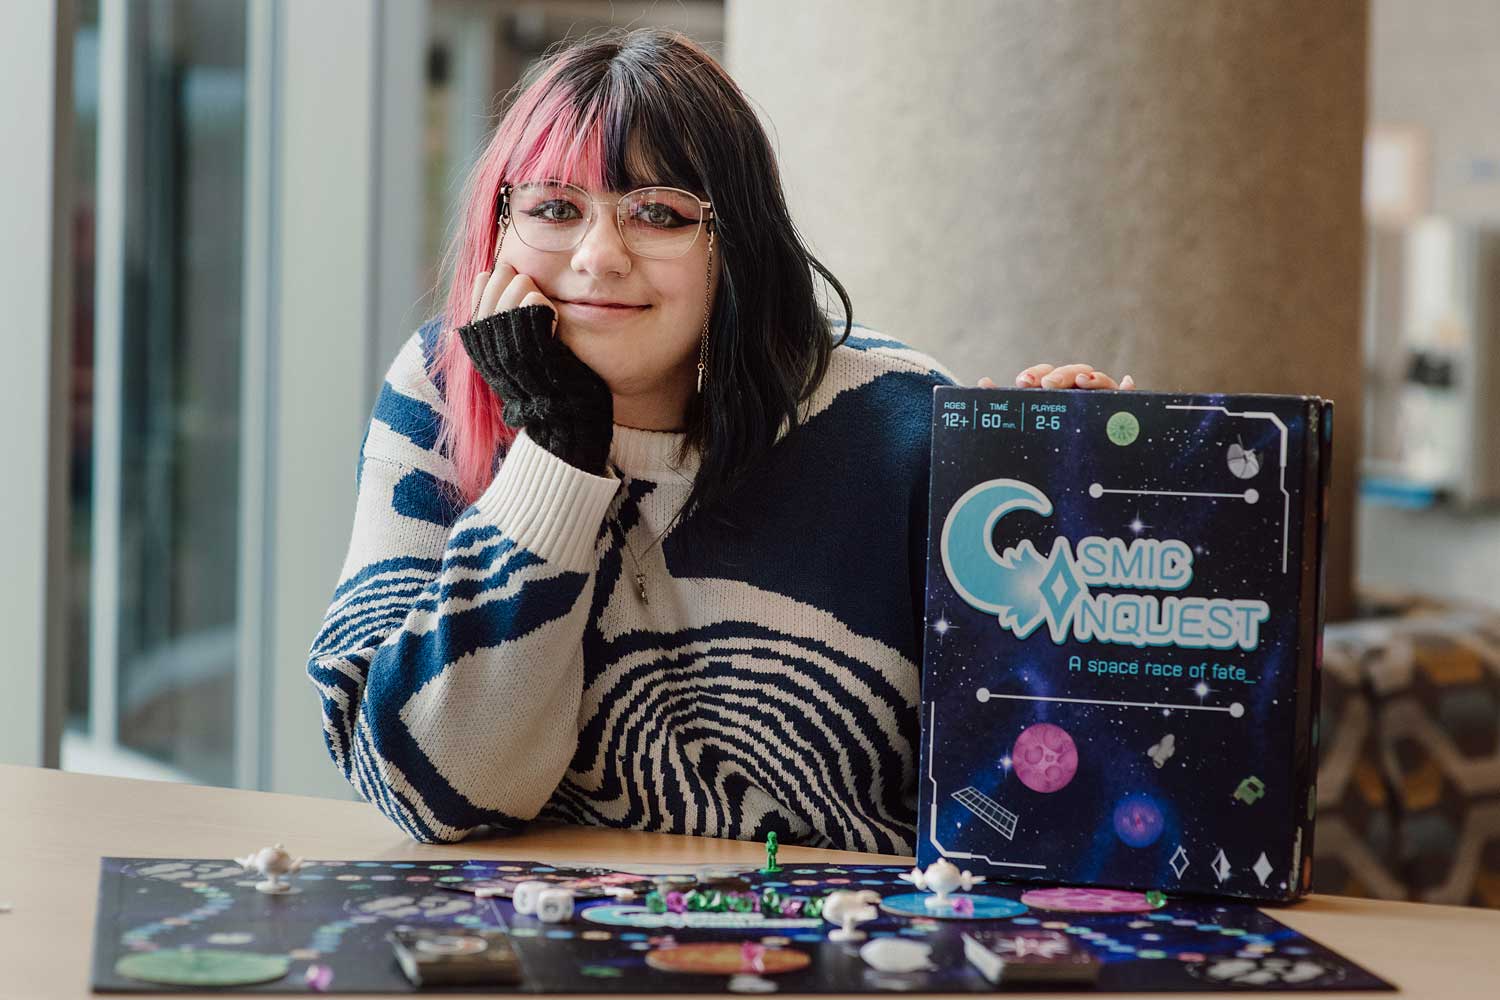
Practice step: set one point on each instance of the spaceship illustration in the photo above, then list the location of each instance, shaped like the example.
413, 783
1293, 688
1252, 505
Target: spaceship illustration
1243, 462
1162, 751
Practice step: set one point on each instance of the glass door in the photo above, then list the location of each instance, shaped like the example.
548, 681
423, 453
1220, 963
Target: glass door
161, 85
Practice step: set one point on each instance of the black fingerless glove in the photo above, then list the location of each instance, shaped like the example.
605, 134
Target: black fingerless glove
562, 403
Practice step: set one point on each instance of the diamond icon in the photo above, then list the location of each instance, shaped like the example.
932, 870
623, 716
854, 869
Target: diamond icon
1221, 867
1262, 868
1179, 861
1059, 589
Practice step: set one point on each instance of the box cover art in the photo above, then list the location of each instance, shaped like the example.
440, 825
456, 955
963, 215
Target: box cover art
1124, 619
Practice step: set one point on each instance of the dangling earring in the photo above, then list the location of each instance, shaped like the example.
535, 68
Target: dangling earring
504, 197
707, 292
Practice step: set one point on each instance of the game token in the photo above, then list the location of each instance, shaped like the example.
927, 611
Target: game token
1087, 900
771, 867
893, 954
941, 878
848, 909
203, 967
274, 863
1156, 898
318, 978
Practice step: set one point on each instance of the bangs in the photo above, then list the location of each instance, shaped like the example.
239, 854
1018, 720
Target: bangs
633, 109
604, 136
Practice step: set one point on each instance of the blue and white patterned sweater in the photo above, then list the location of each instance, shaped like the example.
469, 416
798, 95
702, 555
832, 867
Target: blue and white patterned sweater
481, 666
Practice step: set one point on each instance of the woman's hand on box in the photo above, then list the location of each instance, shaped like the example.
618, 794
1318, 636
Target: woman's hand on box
1075, 376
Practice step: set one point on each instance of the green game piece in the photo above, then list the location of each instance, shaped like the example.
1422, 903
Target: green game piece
814, 909
714, 902
655, 903
771, 867
770, 903
203, 967
741, 902
694, 900
1156, 899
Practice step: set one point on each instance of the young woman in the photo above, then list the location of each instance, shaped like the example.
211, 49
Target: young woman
638, 541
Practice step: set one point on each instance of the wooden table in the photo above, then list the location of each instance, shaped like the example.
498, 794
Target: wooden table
58, 825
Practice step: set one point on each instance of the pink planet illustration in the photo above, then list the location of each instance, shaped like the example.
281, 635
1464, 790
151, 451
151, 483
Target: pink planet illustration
1044, 757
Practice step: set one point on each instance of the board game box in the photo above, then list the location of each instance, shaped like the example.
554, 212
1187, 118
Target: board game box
1124, 621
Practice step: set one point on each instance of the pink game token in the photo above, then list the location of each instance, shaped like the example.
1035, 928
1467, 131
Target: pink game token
319, 978
1087, 900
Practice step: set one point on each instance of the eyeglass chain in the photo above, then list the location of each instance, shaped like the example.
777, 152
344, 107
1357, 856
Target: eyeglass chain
640, 573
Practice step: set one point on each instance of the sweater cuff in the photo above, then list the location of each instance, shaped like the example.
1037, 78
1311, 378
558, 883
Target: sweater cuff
546, 505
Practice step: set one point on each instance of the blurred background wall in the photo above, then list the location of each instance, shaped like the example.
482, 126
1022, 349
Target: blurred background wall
1164, 189
224, 216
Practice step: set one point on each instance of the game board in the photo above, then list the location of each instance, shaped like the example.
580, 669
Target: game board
330, 934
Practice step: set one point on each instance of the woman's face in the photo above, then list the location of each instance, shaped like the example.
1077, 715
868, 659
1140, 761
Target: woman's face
647, 353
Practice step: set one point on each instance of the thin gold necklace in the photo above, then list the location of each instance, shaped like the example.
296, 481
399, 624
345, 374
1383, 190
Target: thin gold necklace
640, 573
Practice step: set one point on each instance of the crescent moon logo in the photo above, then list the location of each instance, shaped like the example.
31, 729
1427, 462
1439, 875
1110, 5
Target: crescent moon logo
1009, 585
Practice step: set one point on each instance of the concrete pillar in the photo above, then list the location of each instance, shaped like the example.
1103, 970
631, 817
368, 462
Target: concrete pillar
1166, 188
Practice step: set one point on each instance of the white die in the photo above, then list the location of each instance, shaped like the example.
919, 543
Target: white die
554, 906
525, 897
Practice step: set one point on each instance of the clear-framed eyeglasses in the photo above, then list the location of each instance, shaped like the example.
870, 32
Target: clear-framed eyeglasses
657, 222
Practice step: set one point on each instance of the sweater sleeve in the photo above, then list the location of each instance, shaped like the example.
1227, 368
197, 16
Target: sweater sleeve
450, 660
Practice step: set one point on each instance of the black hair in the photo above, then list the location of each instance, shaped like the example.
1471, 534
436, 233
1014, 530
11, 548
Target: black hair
667, 101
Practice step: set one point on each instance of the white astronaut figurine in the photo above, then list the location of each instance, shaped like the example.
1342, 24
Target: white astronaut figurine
941, 878
848, 908
274, 863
